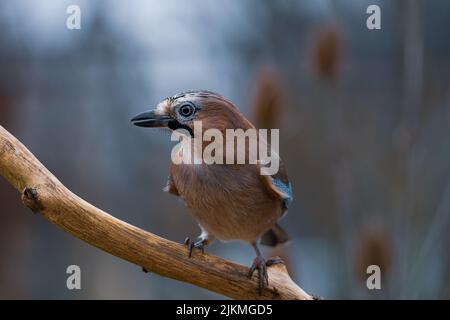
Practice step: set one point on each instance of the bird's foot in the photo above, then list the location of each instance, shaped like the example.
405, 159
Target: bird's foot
273, 261
200, 244
261, 265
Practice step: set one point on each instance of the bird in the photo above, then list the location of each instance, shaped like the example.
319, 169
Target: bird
228, 201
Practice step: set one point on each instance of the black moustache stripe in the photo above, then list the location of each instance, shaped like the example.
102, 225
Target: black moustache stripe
174, 125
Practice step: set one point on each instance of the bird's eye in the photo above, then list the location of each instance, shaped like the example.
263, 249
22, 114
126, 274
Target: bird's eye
186, 110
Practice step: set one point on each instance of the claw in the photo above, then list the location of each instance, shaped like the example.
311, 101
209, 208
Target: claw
199, 244
261, 265
271, 262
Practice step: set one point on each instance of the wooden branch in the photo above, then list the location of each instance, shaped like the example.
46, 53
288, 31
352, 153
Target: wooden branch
42, 192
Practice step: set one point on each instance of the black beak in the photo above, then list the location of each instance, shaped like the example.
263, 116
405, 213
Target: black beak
150, 120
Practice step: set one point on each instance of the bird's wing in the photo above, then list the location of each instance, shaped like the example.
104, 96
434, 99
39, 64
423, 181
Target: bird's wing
279, 186
170, 186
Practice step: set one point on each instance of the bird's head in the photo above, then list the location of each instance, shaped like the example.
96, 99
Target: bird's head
182, 110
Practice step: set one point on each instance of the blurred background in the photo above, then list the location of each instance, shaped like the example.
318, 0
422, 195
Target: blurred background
364, 118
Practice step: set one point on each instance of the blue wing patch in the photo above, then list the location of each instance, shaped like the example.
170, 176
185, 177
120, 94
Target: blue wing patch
286, 189
168, 182
170, 187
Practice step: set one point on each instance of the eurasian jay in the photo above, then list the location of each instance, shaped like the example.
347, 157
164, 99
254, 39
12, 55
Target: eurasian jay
229, 201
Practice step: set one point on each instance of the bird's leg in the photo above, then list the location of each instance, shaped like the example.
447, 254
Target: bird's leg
261, 264
203, 240
200, 243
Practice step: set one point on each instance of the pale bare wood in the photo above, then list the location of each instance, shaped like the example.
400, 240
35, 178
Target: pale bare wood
42, 192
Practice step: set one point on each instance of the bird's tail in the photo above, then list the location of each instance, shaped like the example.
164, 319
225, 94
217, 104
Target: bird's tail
275, 236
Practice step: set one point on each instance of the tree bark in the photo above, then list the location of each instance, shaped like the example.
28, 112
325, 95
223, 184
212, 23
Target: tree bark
43, 193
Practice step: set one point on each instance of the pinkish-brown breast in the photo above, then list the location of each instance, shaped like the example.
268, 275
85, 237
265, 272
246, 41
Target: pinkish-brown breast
229, 201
